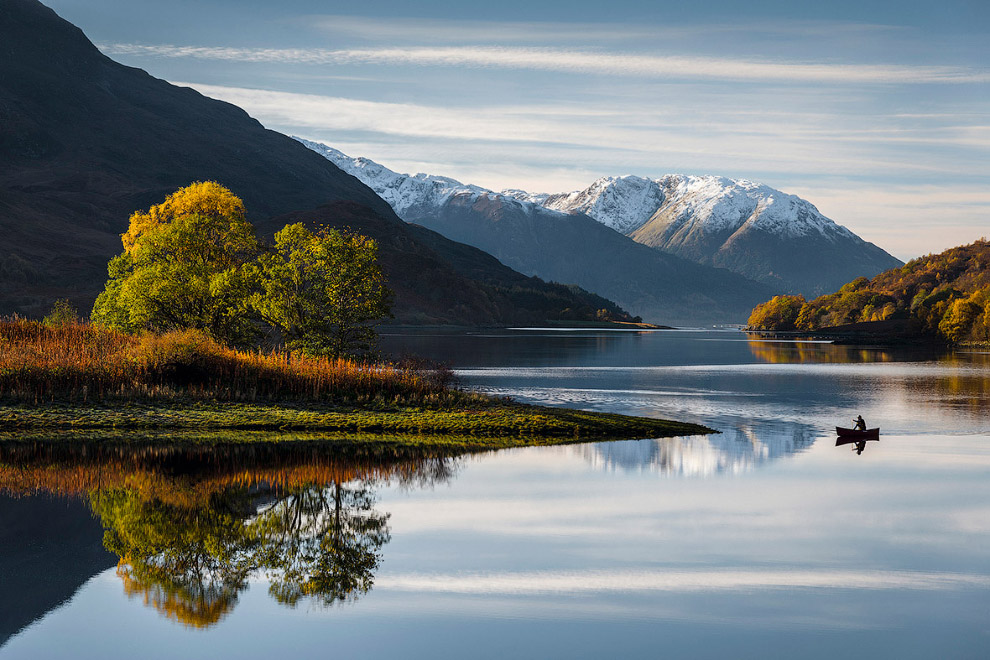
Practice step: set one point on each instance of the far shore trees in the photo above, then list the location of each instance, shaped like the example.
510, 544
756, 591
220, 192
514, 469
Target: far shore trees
944, 296
193, 261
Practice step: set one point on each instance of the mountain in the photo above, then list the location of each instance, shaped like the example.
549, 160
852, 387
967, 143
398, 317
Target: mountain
85, 141
49, 547
944, 296
563, 247
749, 228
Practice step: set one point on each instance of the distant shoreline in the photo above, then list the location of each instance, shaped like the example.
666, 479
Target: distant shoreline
873, 333
577, 325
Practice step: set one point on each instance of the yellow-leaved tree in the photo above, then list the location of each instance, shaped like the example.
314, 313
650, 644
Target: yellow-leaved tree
183, 266
193, 262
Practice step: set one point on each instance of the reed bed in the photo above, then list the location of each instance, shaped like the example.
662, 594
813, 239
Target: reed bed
80, 362
189, 476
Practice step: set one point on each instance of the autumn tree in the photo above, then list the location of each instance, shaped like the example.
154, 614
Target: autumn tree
778, 313
323, 292
183, 266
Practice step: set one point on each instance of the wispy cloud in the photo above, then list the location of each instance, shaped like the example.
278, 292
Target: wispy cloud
400, 119
444, 30
845, 165
621, 131
677, 581
900, 217
667, 67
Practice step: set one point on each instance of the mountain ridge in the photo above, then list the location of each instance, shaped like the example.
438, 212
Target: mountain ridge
562, 247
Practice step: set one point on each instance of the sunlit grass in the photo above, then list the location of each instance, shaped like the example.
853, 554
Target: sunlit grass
77, 378
79, 362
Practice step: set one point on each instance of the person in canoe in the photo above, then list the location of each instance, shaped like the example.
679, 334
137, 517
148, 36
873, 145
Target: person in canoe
860, 424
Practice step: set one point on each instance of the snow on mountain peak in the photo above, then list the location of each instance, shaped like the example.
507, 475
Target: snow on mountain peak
622, 203
715, 204
403, 192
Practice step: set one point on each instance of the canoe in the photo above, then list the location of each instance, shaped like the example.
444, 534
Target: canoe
868, 434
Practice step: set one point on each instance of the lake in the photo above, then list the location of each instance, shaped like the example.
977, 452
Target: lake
765, 540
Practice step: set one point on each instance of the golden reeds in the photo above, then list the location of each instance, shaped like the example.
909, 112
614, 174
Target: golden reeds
82, 362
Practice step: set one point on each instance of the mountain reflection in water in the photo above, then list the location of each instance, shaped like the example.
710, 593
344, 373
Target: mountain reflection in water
192, 525
732, 451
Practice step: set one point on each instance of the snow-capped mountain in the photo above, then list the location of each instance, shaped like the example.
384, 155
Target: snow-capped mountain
751, 229
407, 194
747, 227
622, 203
714, 203
561, 247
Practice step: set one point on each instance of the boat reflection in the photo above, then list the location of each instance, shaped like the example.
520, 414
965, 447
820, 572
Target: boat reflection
858, 445
193, 525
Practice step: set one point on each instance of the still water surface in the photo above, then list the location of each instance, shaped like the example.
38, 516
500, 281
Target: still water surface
765, 540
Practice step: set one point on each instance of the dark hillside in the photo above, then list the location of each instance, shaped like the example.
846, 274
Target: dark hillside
84, 141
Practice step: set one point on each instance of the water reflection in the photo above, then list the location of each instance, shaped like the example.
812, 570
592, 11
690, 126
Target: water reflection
735, 450
934, 380
858, 446
800, 352
192, 525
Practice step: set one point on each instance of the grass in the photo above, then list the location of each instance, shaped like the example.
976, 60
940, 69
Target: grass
78, 378
496, 420
79, 362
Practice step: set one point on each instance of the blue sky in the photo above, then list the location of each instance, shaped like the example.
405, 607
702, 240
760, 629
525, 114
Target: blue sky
877, 112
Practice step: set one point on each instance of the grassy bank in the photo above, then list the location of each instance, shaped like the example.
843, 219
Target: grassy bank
82, 379
484, 418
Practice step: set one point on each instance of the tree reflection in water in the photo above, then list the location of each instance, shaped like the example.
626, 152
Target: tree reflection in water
321, 543
189, 564
193, 525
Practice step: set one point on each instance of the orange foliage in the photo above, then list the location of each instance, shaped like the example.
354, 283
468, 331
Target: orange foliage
80, 362
778, 313
204, 198
946, 294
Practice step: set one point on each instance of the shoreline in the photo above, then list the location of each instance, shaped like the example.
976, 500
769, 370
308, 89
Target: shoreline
493, 424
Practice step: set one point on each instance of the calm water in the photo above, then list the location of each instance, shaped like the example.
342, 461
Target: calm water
765, 540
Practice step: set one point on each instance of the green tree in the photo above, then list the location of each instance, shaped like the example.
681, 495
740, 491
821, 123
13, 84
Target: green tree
323, 292
63, 313
184, 266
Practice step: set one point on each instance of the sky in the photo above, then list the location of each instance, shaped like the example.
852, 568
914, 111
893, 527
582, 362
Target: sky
876, 112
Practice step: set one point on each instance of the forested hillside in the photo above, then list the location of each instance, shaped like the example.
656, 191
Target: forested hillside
943, 295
